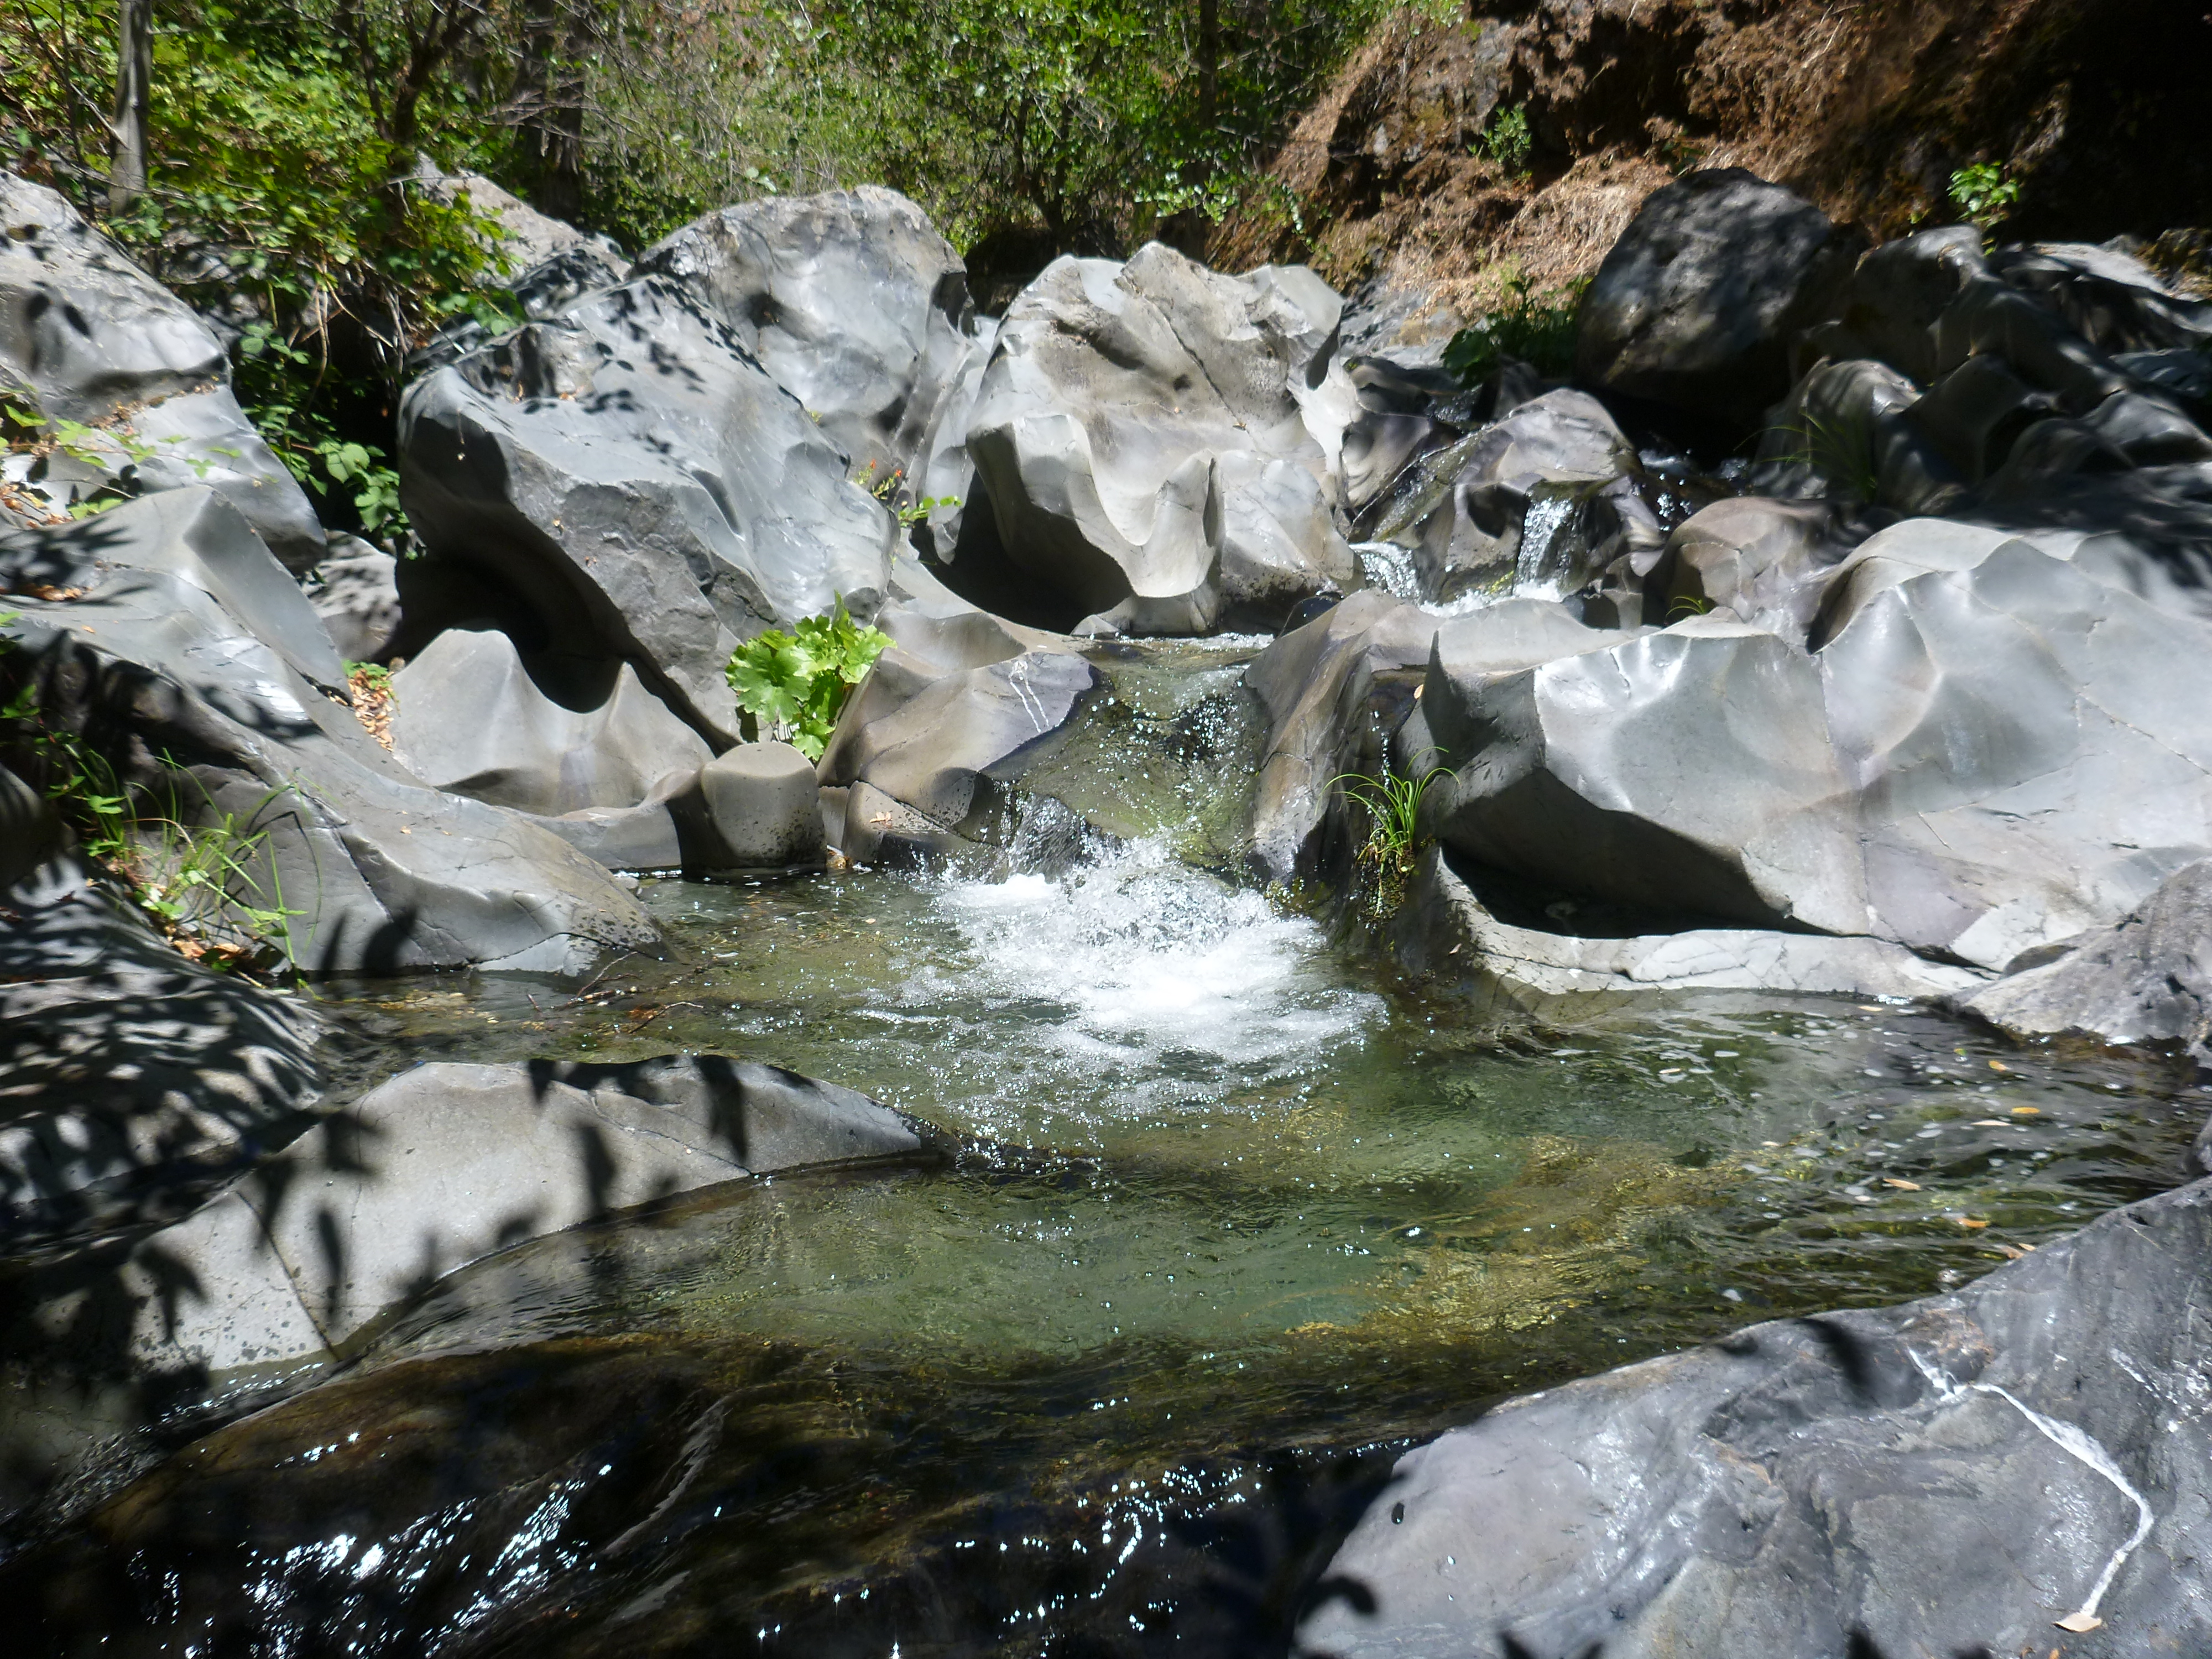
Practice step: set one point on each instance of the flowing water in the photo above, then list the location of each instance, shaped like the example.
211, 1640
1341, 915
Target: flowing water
1240, 1216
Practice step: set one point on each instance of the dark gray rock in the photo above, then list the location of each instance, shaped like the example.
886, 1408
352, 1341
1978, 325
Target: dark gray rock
1159, 440
134, 1081
31, 832
851, 301
1505, 510
1989, 318
528, 237
2111, 298
437, 1167
547, 737
96, 340
190, 641
1324, 686
1951, 1476
1976, 414
1764, 562
1843, 433
629, 482
2146, 979
1697, 303
958, 708
354, 589
765, 806
1444, 930
1898, 291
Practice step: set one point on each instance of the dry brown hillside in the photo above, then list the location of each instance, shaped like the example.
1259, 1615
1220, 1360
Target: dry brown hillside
2097, 108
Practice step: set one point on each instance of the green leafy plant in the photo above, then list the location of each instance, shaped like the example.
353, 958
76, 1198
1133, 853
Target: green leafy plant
1506, 140
795, 685
1840, 448
1387, 857
1981, 191
1538, 328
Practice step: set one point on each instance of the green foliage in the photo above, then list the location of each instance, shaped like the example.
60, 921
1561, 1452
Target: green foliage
1981, 191
196, 883
796, 683
1538, 329
1839, 447
1506, 141
1392, 804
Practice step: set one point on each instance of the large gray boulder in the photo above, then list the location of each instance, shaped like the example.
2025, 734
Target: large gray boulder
1992, 750
440, 1166
550, 736
132, 1081
1698, 303
954, 712
631, 483
189, 641
2146, 979
852, 301
1766, 561
1955, 1475
355, 592
1158, 442
94, 339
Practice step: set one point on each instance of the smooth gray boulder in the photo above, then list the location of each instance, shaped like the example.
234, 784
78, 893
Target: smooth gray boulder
1158, 442
132, 1081
852, 301
1323, 684
547, 737
1509, 510
437, 1167
1951, 1476
1697, 302
1444, 930
1890, 306
632, 483
93, 339
191, 641
958, 708
1764, 562
2146, 979
765, 803
1843, 433
355, 592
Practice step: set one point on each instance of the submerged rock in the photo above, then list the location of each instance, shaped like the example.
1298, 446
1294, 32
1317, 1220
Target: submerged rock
1952, 1475
96, 340
190, 641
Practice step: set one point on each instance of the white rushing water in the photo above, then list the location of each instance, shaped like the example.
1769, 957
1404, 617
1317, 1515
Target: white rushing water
1134, 971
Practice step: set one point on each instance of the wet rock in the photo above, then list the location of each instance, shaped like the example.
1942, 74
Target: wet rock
437, 1167
191, 641
2146, 979
1505, 508
1158, 440
354, 589
134, 1081
960, 705
1445, 931
1697, 303
96, 340
1849, 1482
851, 300
1325, 685
548, 737
765, 806
628, 481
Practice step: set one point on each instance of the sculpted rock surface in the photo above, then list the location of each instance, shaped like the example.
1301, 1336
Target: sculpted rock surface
851, 301
96, 340
2146, 979
630, 483
1954, 1476
355, 592
959, 704
765, 803
1764, 561
191, 640
1158, 440
134, 1081
1697, 302
471, 717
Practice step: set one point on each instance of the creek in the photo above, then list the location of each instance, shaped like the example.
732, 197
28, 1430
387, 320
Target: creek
1240, 1216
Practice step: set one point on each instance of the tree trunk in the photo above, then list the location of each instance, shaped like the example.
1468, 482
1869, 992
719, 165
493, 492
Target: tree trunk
555, 37
134, 75
1209, 66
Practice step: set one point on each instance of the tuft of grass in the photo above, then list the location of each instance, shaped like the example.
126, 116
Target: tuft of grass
1387, 857
1537, 328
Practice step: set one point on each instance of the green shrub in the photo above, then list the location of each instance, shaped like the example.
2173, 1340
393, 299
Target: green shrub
1981, 191
1538, 329
1506, 141
795, 685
